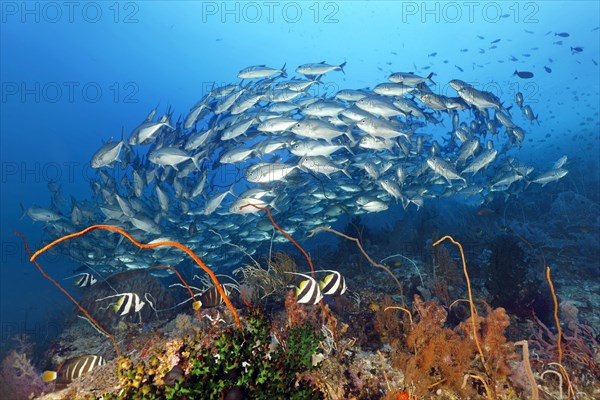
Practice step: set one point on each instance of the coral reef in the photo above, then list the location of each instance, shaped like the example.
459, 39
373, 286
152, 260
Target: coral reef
372, 345
19, 379
260, 283
441, 356
236, 364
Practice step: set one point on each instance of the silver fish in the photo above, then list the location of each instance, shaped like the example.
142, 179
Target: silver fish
319, 68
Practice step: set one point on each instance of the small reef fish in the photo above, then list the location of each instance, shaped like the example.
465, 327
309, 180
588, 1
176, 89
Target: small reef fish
73, 368
85, 279
333, 284
126, 303
209, 298
308, 292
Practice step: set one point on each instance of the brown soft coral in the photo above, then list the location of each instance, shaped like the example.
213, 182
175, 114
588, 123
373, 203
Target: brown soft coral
440, 356
388, 323
497, 350
19, 379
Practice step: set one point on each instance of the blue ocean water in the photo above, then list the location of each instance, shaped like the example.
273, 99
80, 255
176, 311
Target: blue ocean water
74, 74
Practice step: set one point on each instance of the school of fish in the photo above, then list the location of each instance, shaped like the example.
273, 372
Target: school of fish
268, 140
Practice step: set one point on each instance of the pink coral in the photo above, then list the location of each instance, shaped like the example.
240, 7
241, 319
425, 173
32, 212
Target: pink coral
19, 379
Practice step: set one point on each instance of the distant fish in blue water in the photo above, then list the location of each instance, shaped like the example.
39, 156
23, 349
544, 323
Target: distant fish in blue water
495, 41
432, 54
523, 74
108, 154
519, 99
575, 50
127, 302
558, 43
459, 68
85, 280
562, 34
560, 162
529, 114
40, 214
321, 68
408, 78
548, 69
550, 176
260, 71
595, 63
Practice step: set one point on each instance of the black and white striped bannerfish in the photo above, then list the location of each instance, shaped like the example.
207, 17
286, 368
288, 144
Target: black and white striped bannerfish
308, 292
334, 284
85, 280
73, 368
127, 302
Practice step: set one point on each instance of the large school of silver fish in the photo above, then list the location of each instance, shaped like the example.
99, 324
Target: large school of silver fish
269, 141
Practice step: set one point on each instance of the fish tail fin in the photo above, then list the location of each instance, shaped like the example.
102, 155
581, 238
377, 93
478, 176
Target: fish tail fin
349, 149
342, 65
49, 376
343, 170
24, 211
273, 205
196, 160
429, 78
283, 71
230, 191
348, 134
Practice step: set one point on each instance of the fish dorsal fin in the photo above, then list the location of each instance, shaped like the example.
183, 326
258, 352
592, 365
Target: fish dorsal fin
301, 286
325, 281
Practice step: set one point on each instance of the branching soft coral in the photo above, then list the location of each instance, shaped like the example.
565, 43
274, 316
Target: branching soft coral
388, 323
440, 356
437, 354
18, 378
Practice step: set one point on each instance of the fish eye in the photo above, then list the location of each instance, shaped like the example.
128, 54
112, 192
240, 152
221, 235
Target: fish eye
298, 125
